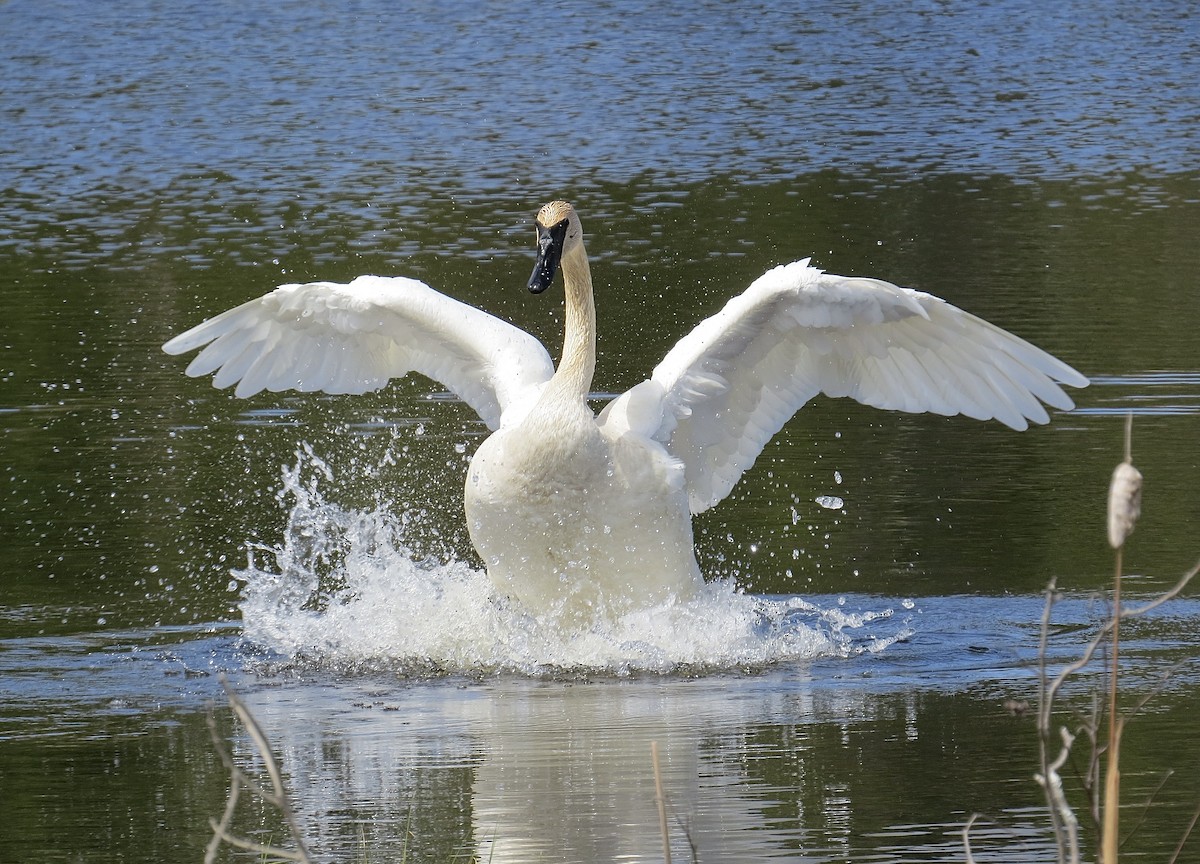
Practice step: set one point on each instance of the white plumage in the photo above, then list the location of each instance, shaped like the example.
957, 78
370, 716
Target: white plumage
577, 515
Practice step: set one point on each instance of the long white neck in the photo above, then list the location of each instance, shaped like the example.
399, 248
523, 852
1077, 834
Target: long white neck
578, 365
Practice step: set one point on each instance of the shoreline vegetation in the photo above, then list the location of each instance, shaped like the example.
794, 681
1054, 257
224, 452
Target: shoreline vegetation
1103, 729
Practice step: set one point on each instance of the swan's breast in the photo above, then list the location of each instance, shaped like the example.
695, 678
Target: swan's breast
551, 455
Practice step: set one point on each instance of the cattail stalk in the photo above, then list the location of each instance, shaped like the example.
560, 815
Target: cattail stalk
1124, 508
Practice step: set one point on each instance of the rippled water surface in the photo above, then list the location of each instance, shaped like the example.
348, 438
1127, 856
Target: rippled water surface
850, 688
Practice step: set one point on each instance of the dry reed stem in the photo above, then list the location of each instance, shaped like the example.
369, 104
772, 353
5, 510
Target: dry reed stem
661, 800
1112, 793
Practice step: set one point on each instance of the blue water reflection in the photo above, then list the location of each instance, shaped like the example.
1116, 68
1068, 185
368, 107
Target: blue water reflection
296, 100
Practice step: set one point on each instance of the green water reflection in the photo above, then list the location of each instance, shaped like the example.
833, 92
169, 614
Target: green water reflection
130, 490
124, 479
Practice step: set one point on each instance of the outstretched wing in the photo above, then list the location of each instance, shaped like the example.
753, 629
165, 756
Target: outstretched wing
355, 338
727, 387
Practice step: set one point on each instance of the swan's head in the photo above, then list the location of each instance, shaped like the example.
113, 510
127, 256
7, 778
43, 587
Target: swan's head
558, 234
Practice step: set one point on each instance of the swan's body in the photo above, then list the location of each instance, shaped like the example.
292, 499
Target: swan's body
578, 515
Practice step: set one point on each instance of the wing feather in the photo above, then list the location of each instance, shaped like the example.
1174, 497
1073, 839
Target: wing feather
727, 387
355, 338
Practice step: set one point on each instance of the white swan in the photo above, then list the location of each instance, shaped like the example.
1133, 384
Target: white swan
578, 515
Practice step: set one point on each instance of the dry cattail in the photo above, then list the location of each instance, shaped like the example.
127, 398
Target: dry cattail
1124, 503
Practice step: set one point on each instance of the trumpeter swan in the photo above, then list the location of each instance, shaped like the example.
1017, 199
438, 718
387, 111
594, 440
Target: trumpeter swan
578, 515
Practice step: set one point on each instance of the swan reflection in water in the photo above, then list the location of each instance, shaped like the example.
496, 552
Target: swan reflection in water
577, 515
517, 770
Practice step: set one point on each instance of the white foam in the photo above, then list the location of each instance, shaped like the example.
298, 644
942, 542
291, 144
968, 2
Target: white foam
344, 588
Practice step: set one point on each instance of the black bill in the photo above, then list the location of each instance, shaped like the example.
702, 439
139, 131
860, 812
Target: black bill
550, 247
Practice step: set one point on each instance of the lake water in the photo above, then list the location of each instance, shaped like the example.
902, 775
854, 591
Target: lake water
840, 693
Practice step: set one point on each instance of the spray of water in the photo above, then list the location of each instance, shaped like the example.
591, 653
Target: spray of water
344, 587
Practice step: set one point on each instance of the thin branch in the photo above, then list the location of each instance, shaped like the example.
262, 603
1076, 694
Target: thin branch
219, 830
1100, 638
1063, 820
966, 835
1157, 689
238, 780
1186, 834
251, 846
686, 829
1146, 807
1045, 700
1052, 783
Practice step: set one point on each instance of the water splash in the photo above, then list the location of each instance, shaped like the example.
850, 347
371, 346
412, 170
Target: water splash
344, 588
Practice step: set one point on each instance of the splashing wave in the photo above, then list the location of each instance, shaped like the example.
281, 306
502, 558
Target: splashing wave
345, 589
